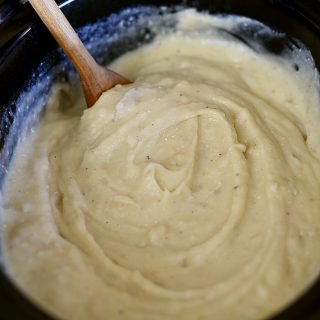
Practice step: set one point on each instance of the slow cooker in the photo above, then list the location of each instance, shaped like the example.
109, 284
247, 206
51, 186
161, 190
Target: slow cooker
29, 55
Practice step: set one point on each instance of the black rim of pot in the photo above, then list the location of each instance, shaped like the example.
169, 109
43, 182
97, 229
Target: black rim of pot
14, 304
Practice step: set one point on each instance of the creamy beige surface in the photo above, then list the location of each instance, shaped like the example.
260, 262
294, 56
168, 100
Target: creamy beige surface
191, 194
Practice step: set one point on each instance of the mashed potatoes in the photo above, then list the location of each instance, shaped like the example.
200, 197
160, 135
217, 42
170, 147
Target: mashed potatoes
192, 193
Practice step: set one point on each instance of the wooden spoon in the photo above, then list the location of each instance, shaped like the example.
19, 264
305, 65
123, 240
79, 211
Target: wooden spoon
95, 78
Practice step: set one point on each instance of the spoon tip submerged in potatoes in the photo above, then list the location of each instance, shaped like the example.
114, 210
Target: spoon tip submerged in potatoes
95, 78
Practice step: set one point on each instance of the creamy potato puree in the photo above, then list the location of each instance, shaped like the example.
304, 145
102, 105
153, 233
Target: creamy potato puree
192, 193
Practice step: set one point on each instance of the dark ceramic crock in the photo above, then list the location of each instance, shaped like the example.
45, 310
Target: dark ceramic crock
29, 56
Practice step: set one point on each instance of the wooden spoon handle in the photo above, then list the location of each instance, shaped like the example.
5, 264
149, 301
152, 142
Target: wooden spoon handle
95, 79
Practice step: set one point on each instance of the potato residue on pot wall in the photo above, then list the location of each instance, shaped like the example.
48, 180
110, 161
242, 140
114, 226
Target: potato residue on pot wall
192, 193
